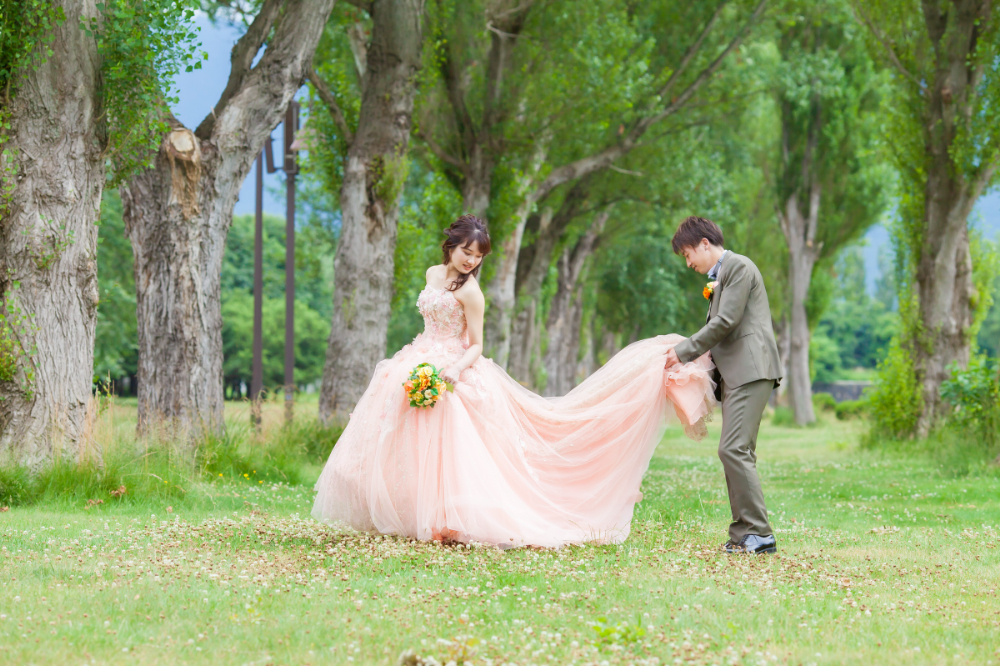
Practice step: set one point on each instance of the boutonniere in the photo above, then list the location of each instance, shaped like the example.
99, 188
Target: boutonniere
709, 290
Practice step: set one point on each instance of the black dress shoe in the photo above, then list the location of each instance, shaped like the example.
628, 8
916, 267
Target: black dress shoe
753, 544
729, 544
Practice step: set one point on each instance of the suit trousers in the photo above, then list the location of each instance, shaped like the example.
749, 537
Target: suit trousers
742, 409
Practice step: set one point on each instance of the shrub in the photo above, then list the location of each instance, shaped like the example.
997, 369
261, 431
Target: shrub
895, 401
309, 438
850, 409
974, 395
15, 486
824, 402
783, 416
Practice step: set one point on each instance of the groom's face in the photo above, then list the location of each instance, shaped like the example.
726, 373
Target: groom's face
700, 257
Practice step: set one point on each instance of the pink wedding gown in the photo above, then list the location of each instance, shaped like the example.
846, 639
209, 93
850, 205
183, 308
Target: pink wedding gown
495, 463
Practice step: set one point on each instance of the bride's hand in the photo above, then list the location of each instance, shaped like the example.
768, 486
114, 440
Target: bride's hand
451, 375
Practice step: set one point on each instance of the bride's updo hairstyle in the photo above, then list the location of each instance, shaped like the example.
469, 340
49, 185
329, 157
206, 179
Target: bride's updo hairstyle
463, 232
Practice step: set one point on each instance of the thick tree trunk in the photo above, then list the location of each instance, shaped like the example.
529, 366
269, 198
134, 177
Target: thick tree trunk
800, 233
566, 312
373, 180
178, 212
945, 292
944, 288
48, 249
177, 227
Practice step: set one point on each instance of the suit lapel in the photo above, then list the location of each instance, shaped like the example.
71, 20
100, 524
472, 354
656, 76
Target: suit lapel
716, 293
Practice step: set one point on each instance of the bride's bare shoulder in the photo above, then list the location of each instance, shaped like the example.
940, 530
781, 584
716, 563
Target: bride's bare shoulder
470, 292
435, 274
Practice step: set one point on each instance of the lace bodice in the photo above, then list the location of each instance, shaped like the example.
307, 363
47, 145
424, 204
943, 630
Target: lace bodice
444, 317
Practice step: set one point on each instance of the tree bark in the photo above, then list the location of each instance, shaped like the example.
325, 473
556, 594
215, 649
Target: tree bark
800, 233
374, 174
944, 289
524, 329
178, 212
784, 340
588, 363
566, 312
532, 269
48, 246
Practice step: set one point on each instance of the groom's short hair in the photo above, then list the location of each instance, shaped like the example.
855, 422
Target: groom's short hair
692, 230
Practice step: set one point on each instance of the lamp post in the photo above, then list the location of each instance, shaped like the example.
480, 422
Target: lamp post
291, 168
257, 372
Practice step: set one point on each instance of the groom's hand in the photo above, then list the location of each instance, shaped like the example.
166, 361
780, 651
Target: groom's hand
672, 359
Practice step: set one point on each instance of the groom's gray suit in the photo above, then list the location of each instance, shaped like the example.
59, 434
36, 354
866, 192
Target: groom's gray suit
738, 332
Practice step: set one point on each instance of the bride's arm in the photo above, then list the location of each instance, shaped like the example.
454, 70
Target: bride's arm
474, 304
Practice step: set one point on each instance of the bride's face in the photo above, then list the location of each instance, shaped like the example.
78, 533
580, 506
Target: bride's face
466, 259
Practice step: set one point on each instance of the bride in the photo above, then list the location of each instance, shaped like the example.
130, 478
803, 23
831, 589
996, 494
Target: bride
493, 462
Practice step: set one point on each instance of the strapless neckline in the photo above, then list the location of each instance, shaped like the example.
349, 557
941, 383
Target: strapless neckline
430, 288
444, 316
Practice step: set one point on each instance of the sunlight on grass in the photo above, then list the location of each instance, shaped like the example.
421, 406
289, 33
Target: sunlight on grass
885, 559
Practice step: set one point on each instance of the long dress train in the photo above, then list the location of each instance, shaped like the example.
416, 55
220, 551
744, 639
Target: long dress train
495, 463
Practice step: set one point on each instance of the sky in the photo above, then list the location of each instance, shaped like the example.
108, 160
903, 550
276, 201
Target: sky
200, 89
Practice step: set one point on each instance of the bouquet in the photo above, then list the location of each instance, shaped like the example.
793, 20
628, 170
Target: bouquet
425, 386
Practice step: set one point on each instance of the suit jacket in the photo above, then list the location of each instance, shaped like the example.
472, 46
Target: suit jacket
738, 328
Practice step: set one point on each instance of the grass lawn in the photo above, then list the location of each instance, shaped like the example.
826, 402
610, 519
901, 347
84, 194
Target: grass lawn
883, 560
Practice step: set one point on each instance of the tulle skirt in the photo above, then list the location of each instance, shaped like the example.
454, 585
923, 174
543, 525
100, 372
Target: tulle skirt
495, 463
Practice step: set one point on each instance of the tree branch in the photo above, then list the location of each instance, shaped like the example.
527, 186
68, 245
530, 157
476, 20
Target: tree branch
258, 105
243, 53
890, 51
359, 49
707, 73
692, 51
511, 23
601, 160
330, 101
456, 99
440, 152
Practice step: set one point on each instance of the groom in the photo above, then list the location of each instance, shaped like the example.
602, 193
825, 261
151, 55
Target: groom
738, 332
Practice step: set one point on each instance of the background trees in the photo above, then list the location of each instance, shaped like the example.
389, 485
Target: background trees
582, 132
80, 82
375, 168
946, 139
830, 179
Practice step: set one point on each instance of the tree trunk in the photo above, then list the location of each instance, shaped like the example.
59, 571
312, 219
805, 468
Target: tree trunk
588, 362
178, 212
800, 233
533, 268
566, 312
48, 250
784, 340
501, 290
374, 175
524, 327
178, 229
477, 186
944, 289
